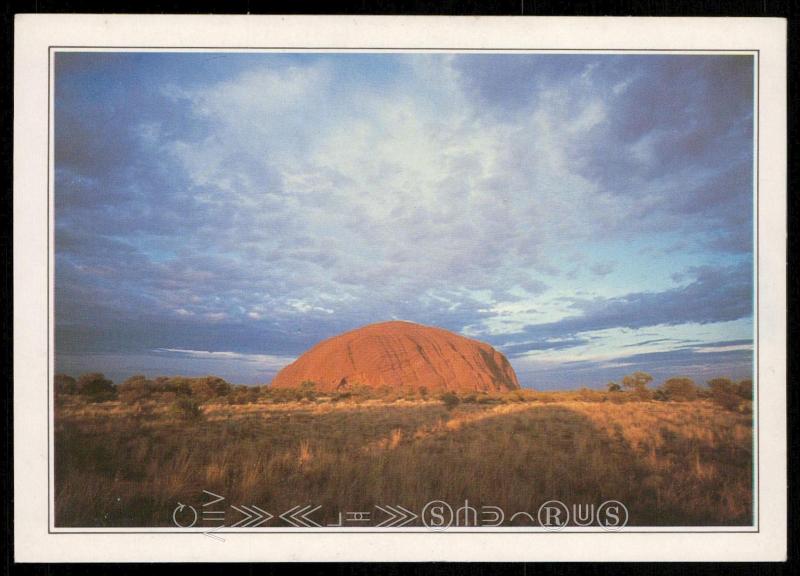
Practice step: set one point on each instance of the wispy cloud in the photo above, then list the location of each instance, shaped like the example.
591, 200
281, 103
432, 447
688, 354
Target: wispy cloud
720, 347
266, 360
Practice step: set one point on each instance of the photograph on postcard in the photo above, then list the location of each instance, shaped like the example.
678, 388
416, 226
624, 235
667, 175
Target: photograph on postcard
403, 290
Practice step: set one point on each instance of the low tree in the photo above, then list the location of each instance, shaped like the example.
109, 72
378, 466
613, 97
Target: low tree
721, 385
280, 395
680, 389
242, 394
174, 386
637, 383
745, 389
614, 387
136, 389
206, 388
64, 384
96, 388
724, 393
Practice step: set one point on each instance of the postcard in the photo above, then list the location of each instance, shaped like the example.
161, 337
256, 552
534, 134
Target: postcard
336, 288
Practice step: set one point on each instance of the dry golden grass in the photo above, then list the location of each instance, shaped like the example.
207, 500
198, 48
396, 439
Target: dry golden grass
670, 463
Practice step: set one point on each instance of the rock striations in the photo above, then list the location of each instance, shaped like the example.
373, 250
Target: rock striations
401, 355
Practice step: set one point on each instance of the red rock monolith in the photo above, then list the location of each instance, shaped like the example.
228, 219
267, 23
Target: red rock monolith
401, 355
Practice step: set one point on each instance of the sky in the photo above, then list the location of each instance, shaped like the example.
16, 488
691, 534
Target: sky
589, 215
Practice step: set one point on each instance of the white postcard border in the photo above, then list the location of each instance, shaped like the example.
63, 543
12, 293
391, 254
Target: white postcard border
35, 539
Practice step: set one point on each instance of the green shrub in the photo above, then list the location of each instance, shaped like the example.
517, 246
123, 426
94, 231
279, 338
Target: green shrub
679, 389
308, 390
339, 396
204, 389
136, 389
242, 394
284, 395
187, 409
450, 400
96, 388
724, 393
589, 395
64, 384
745, 389
660, 396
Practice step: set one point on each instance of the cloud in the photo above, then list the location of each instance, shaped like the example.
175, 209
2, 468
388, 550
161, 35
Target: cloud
672, 133
713, 295
548, 345
259, 203
602, 268
719, 349
267, 361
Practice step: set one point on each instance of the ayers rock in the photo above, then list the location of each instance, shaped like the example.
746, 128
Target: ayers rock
401, 355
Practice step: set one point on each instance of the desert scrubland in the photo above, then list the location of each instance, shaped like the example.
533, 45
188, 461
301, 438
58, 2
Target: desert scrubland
127, 455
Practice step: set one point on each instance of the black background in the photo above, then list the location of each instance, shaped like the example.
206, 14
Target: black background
763, 8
